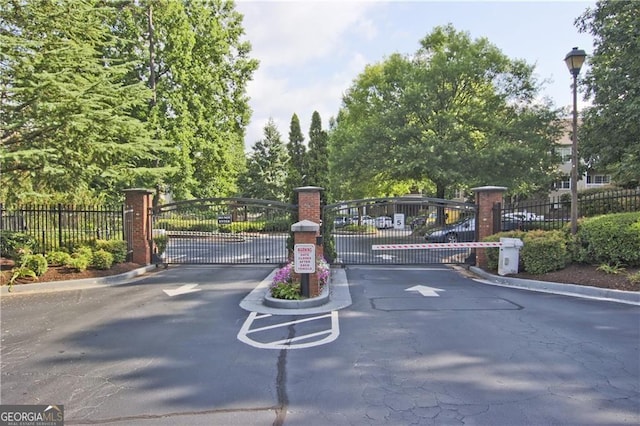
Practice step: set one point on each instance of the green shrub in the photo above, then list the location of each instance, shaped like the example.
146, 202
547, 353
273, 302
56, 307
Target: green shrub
84, 251
37, 263
610, 239
493, 253
544, 251
12, 243
58, 258
161, 242
101, 259
364, 229
202, 227
117, 248
288, 291
79, 263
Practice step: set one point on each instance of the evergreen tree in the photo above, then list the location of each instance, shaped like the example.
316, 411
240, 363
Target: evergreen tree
297, 157
66, 113
267, 167
318, 156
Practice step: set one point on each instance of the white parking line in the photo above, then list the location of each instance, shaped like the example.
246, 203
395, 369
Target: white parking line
330, 334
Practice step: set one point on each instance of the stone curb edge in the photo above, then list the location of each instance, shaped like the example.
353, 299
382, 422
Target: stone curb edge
619, 296
76, 284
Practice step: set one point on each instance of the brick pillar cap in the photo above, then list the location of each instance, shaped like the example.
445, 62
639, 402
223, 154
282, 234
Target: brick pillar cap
308, 189
305, 226
490, 189
143, 190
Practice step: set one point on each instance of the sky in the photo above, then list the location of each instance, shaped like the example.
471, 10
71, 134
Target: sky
311, 52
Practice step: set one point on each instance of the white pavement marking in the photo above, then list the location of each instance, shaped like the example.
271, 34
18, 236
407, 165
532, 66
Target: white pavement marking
425, 290
187, 288
329, 335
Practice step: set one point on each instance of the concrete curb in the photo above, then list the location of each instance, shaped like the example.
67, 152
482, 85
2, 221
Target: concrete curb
337, 297
618, 296
51, 286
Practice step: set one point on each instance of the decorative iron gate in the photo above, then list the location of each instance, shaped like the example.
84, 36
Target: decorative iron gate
222, 231
386, 230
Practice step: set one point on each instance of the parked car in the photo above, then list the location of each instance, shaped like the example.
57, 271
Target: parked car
463, 231
522, 216
364, 220
384, 222
341, 221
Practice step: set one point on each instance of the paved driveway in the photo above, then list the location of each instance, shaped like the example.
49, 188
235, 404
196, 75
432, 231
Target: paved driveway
417, 346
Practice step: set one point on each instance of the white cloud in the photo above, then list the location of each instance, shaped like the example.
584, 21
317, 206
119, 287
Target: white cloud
304, 41
294, 33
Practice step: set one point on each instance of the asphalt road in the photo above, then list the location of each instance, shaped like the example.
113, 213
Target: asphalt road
417, 346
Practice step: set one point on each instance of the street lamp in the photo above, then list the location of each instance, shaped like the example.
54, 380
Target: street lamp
574, 61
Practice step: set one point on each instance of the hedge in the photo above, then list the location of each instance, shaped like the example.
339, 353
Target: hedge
610, 239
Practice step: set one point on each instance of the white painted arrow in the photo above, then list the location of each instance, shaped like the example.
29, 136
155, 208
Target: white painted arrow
187, 288
426, 291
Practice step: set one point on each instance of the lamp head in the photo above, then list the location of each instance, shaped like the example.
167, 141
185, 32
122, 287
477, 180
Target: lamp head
574, 60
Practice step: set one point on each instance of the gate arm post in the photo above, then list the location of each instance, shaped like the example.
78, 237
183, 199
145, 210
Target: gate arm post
486, 196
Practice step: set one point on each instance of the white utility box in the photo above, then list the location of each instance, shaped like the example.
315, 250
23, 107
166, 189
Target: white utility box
509, 256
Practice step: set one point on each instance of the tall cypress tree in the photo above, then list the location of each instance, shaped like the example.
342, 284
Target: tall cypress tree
297, 157
318, 157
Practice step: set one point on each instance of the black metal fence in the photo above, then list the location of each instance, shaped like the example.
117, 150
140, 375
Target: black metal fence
556, 212
58, 226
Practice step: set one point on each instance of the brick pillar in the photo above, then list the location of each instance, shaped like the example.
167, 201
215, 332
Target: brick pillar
139, 200
309, 208
486, 197
307, 230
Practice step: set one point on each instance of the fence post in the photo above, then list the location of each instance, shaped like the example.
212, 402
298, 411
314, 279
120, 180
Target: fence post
486, 197
139, 200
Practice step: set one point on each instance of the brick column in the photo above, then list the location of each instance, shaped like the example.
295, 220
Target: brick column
309, 208
486, 197
139, 200
307, 230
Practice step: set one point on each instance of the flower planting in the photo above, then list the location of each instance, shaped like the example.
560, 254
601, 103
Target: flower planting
284, 286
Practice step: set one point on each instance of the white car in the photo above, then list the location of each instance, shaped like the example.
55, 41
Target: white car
384, 222
522, 216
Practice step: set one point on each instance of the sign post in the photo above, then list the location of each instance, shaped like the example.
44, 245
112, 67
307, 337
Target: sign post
304, 263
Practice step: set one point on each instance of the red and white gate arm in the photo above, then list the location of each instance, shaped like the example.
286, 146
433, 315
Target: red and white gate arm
434, 246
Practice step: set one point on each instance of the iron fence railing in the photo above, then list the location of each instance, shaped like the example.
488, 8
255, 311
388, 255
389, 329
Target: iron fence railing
555, 213
58, 226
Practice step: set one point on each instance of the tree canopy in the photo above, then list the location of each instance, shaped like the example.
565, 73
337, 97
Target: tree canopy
609, 137
98, 96
267, 167
457, 113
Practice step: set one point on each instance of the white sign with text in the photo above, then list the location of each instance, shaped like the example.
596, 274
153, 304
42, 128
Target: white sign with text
304, 258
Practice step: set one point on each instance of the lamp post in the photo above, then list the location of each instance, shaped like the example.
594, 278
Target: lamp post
574, 61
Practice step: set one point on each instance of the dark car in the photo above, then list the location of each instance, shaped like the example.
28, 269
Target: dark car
465, 231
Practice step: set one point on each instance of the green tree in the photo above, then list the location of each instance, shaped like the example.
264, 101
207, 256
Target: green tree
198, 66
318, 157
67, 115
610, 131
297, 157
267, 167
457, 113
